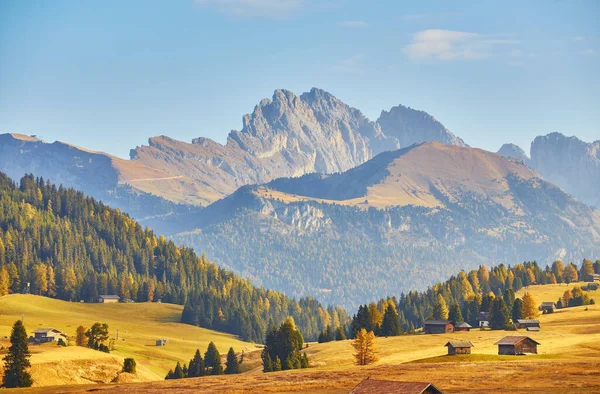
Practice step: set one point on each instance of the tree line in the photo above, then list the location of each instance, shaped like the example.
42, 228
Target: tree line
465, 296
56, 242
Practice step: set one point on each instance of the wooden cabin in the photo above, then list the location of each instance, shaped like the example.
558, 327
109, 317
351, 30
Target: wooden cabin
375, 386
161, 342
108, 299
514, 345
463, 326
459, 347
590, 277
438, 327
527, 323
43, 335
547, 307
590, 287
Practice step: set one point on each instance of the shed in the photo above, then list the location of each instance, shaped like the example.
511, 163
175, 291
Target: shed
438, 326
374, 386
517, 345
459, 347
161, 342
43, 335
484, 319
591, 278
548, 307
527, 323
107, 299
590, 287
534, 329
463, 326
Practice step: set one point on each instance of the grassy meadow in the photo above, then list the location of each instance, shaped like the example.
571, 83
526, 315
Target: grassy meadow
139, 324
568, 359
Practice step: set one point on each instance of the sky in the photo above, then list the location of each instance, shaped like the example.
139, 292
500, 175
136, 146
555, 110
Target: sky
107, 75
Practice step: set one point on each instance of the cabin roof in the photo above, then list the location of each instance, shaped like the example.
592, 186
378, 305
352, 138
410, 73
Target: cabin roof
528, 321
533, 329
374, 386
456, 344
548, 303
464, 325
110, 296
437, 322
43, 330
513, 340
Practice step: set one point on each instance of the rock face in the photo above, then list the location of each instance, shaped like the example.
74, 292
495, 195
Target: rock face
569, 163
411, 126
287, 136
514, 151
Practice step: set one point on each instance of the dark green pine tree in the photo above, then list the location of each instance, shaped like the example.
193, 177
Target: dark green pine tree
391, 324
455, 314
178, 373
212, 360
17, 359
232, 365
517, 310
340, 335
267, 362
196, 367
500, 318
304, 361
277, 364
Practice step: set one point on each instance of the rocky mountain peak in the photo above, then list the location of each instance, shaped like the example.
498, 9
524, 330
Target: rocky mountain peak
514, 151
411, 126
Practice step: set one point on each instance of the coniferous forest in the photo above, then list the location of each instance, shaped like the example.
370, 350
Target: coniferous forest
57, 242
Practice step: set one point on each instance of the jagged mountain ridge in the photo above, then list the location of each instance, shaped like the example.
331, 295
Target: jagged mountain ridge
426, 211
565, 161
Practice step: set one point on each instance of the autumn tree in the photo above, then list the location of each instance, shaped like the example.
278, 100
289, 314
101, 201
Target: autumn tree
570, 274
587, 268
566, 298
440, 310
558, 269
365, 348
80, 335
16, 360
530, 307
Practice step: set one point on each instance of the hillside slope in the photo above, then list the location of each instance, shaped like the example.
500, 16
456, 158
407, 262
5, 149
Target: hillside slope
139, 325
401, 221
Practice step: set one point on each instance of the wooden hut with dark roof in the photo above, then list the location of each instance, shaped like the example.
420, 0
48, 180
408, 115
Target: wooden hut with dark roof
374, 386
514, 345
438, 326
459, 347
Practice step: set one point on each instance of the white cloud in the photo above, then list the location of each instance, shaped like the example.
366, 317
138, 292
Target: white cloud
251, 8
588, 52
354, 24
451, 45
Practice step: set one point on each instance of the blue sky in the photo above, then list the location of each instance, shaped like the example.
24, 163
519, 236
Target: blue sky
107, 75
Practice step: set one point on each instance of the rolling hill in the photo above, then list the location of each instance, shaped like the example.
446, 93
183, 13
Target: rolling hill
139, 325
400, 221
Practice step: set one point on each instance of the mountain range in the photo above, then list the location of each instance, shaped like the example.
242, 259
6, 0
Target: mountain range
311, 197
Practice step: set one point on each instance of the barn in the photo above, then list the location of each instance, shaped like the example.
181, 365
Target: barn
459, 347
514, 345
548, 307
527, 323
374, 386
108, 299
438, 326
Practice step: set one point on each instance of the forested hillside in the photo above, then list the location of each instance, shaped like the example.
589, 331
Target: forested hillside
399, 222
69, 246
473, 292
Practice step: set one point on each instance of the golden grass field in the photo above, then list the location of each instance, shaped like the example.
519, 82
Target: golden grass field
568, 362
140, 324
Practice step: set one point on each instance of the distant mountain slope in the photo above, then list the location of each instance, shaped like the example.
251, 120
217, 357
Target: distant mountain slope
400, 221
100, 175
570, 163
